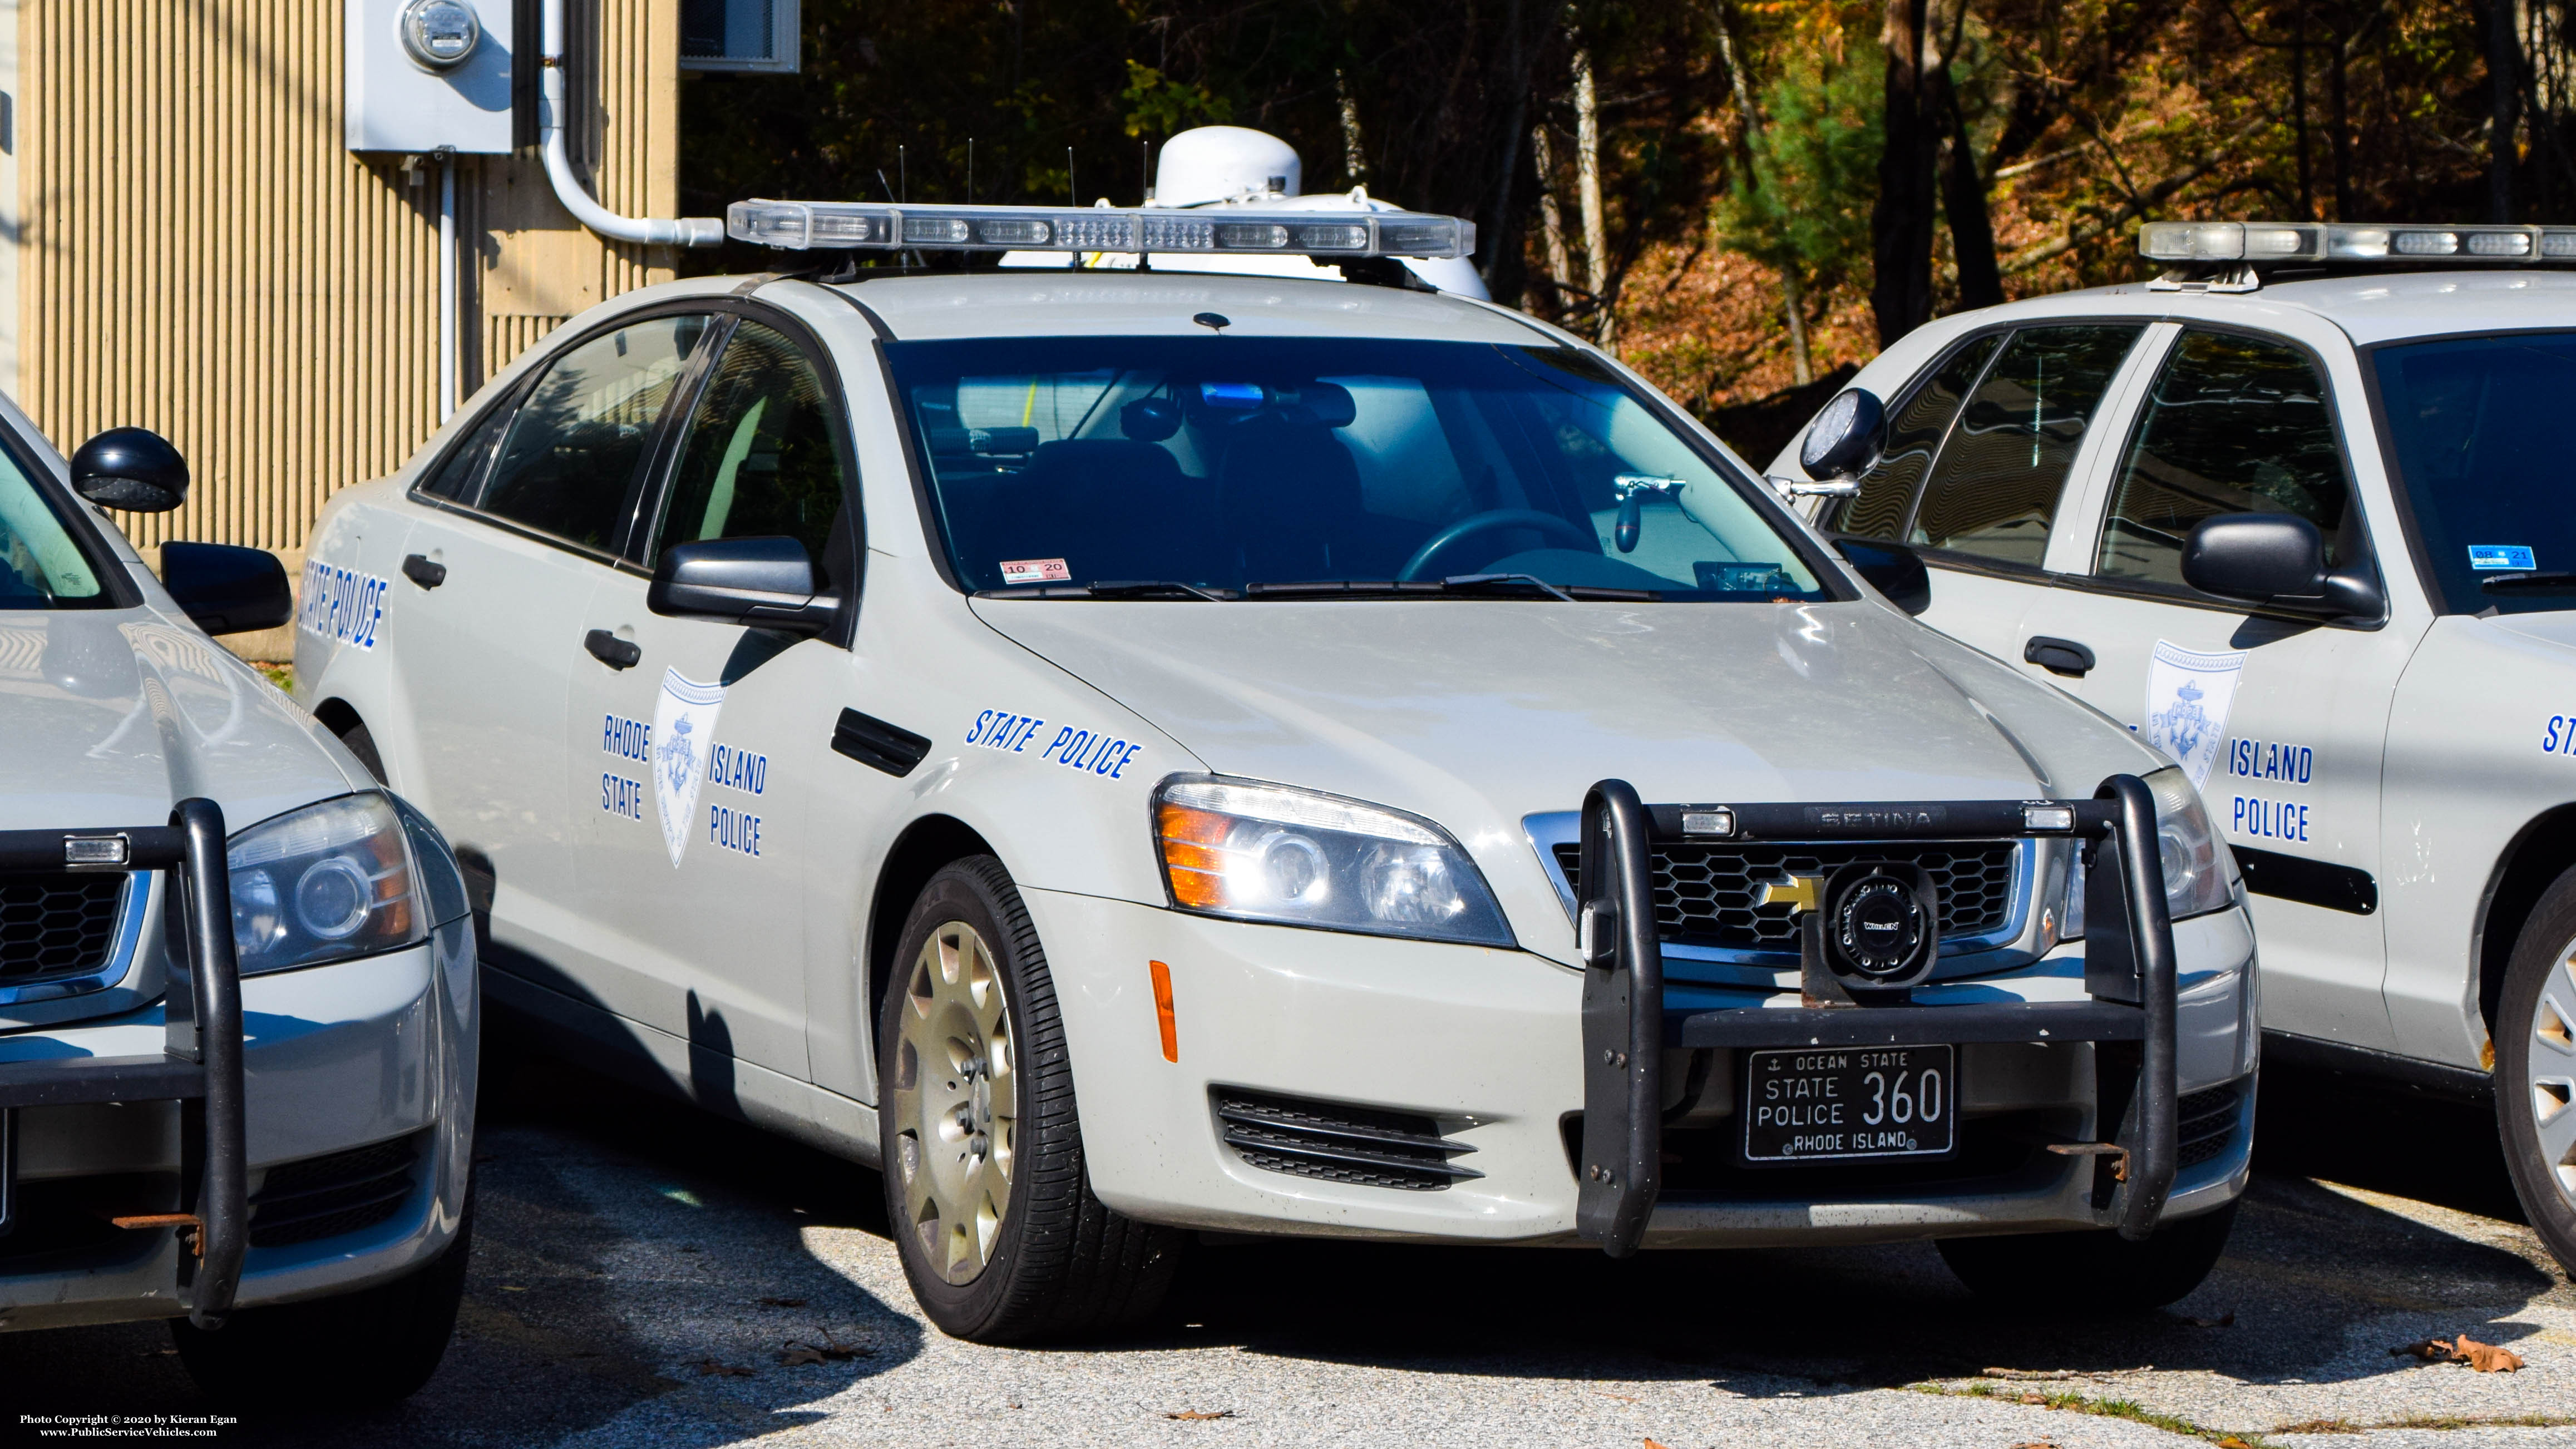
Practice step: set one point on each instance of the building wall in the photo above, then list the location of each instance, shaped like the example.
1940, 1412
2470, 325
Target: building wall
198, 255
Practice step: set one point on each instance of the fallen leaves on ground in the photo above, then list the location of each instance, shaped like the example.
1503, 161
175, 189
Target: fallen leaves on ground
830, 1350
2230, 1441
2224, 1320
2486, 1358
767, 1302
1651, 1444
2036, 1444
708, 1369
1199, 1414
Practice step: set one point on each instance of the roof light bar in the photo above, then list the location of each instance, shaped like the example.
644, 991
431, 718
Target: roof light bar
801, 225
2336, 241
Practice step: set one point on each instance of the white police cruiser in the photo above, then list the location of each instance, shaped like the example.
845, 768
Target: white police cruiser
2286, 512
1128, 752
238, 1001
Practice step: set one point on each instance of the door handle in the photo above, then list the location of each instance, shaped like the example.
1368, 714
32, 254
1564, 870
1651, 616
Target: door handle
2058, 656
612, 651
422, 572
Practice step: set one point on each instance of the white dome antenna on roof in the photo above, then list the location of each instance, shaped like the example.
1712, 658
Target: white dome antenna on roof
1226, 163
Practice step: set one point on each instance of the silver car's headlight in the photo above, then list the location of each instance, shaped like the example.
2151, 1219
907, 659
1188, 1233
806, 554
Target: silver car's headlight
324, 883
1269, 853
2200, 875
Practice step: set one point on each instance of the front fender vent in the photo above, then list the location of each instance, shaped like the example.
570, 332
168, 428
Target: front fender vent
324, 1197
1367, 1146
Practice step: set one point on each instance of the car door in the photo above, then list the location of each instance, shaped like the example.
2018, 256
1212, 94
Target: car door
1978, 455
2280, 719
525, 518
692, 768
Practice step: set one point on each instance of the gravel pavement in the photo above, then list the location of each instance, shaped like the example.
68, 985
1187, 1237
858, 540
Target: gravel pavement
641, 1269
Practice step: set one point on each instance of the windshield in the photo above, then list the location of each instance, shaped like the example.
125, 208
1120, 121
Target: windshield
2479, 445
1226, 462
41, 565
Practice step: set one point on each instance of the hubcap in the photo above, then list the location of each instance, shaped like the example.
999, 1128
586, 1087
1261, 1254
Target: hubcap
2553, 1073
955, 1097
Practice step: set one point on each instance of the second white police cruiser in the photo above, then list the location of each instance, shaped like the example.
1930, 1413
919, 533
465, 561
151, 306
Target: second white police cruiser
1137, 754
2295, 512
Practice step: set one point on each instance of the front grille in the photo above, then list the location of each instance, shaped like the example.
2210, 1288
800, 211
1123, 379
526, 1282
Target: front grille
57, 924
1338, 1143
2205, 1123
1704, 892
323, 1197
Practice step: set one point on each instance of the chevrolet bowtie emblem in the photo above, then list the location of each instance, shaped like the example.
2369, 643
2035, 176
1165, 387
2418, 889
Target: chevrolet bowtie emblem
1798, 893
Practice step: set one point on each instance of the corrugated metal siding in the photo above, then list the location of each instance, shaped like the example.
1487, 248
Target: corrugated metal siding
202, 257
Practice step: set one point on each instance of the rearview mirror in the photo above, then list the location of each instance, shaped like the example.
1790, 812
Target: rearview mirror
767, 583
2278, 560
134, 469
1845, 437
1892, 569
227, 590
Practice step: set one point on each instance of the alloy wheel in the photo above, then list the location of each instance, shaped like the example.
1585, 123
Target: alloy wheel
956, 1102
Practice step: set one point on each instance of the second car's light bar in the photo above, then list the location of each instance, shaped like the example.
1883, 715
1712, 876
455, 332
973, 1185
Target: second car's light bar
2338, 241
807, 224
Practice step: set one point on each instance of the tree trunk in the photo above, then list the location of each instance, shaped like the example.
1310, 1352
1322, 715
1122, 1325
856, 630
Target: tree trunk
1900, 224
1587, 171
1793, 302
1963, 196
2339, 59
2299, 109
1560, 266
2504, 92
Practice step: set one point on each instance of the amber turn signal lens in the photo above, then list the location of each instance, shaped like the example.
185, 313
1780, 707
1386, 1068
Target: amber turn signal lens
1163, 1011
1191, 857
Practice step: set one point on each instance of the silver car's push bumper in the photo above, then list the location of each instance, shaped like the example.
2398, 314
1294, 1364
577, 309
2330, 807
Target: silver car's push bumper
200, 1067
2130, 976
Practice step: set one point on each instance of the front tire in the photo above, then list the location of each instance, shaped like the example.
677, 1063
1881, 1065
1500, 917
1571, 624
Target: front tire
361, 1350
2535, 1069
992, 1211
2092, 1273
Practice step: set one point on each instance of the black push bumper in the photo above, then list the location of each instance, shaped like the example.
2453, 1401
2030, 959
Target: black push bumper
200, 1067
2129, 975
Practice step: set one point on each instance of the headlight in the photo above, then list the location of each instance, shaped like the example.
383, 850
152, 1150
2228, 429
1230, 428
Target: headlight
1267, 853
2200, 876
324, 883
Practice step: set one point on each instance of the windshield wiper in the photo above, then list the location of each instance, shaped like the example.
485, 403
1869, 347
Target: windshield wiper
1433, 588
1111, 589
2536, 583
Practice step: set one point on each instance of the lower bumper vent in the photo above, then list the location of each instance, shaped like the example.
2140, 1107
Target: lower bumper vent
2205, 1124
1365, 1145
323, 1197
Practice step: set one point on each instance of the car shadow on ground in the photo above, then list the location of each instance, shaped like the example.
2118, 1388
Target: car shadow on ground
573, 1256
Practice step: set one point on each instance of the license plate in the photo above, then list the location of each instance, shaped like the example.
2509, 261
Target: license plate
1820, 1104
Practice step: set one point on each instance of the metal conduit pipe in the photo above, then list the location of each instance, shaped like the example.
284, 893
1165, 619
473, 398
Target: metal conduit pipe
686, 231
446, 286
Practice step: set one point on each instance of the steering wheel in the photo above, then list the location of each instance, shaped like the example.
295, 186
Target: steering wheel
1419, 566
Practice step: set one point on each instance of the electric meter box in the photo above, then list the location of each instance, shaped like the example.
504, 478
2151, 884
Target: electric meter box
430, 74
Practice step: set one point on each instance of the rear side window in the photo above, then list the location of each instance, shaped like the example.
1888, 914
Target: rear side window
761, 456
2234, 425
1914, 435
1993, 492
569, 461
461, 471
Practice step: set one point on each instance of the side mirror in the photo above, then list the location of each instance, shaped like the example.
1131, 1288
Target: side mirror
2277, 559
1892, 569
767, 583
1845, 438
134, 469
227, 590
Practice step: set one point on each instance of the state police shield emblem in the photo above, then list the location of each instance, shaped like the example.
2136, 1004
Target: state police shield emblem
684, 720
2188, 696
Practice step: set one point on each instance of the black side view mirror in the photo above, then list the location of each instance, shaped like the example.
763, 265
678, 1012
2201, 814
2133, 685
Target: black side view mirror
767, 583
1892, 569
1846, 436
227, 590
134, 469
2278, 560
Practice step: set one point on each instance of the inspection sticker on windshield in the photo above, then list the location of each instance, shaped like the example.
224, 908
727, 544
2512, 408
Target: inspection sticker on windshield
1035, 571
2484, 556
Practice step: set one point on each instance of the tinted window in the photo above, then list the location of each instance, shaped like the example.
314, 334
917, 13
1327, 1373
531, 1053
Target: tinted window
2480, 433
461, 471
1994, 491
1914, 433
1227, 461
760, 457
2234, 425
575, 443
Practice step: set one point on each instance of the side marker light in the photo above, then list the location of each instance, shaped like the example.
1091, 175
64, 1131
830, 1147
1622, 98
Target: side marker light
1163, 1011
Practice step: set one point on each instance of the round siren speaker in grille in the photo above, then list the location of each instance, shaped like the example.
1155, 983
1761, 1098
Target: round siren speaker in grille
1882, 924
